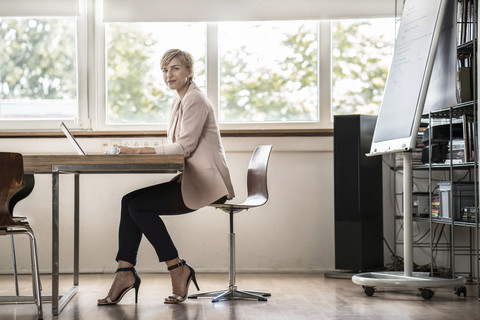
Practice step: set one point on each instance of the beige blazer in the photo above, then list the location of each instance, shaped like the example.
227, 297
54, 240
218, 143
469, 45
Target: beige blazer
193, 131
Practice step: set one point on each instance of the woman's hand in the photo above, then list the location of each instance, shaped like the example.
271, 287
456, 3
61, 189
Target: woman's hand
142, 150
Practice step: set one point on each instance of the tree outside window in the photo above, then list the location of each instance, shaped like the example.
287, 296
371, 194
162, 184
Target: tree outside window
38, 68
268, 71
361, 54
136, 92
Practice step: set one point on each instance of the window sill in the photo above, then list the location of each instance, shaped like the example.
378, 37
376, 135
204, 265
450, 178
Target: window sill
224, 133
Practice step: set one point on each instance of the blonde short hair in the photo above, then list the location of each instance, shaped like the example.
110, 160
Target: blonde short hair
185, 58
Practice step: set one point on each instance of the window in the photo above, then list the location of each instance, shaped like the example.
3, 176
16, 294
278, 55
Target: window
362, 50
136, 92
38, 73
268, 71
95, 64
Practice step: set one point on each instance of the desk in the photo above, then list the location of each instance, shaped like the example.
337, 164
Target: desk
79, 164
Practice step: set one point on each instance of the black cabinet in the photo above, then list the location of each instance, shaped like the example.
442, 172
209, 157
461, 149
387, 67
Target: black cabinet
358, 195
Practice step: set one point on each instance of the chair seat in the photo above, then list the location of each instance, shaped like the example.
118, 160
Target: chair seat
250, 202
15, 222
21, 224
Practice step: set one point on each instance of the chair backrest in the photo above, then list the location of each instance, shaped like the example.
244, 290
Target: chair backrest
257, 176
29, 179
11, 182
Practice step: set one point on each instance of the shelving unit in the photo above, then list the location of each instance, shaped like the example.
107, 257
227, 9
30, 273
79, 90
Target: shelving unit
470, 167
454, 114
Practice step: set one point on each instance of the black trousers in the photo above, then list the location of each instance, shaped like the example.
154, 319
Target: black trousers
140, 214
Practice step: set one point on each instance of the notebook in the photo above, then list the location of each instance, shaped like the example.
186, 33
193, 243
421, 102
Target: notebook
72, 140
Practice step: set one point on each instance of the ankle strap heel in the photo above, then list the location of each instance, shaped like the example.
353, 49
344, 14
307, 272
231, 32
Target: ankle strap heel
126, 269
180, 264
136, 285
175, 298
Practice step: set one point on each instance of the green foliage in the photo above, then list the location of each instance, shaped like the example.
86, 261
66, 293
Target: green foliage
31, 64
286, 92
133, 94
38, 61
359, 71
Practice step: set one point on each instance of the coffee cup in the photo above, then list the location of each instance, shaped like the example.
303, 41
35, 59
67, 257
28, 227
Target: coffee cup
112, 150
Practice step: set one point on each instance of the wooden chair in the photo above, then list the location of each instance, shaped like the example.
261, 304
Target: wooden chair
257, 196
12, 185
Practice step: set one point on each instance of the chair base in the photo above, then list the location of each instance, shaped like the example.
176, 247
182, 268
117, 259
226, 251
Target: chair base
37, 286
232, 293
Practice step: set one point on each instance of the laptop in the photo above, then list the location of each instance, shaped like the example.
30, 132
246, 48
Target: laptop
72, 140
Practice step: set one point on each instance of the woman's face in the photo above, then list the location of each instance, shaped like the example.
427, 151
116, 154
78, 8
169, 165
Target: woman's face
176, 76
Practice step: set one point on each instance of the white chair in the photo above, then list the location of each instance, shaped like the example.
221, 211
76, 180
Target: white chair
257, 196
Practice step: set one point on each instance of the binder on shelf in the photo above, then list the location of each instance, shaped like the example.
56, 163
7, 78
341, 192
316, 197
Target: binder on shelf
465, 89
465, 20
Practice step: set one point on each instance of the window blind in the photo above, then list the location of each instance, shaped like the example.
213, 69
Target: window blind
245, 10
38, 8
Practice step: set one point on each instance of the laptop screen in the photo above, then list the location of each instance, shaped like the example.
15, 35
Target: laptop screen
72, 140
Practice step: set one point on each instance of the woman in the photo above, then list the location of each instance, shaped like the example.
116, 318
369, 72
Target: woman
193, 132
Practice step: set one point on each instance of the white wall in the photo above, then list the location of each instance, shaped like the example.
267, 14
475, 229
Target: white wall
294, 231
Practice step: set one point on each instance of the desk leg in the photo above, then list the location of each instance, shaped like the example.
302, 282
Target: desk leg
55, 241
59, 302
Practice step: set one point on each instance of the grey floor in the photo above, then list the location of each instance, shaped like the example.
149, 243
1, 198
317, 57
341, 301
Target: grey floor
294, 296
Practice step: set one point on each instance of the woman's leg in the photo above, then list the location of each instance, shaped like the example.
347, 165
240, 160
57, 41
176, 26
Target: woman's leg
152, 226
140, 215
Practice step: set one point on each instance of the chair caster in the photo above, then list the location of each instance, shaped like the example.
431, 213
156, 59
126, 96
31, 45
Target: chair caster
369, 291
426, 293
459, 290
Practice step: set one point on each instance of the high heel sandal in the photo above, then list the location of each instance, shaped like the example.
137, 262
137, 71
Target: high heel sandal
179, 299
136, 285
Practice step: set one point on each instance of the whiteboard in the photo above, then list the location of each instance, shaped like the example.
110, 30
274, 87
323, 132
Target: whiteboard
409, 76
